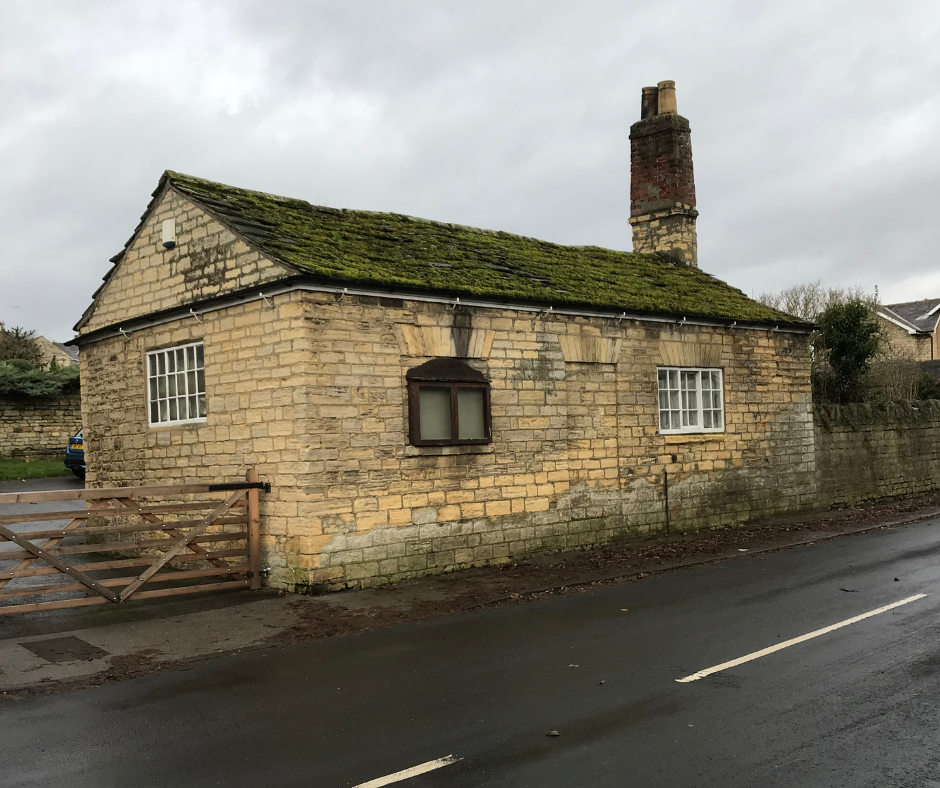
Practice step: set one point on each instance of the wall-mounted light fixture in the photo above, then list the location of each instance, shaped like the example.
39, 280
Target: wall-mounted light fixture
169, 233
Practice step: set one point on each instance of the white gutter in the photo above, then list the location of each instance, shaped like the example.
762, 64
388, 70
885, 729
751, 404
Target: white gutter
898, 323
138, 323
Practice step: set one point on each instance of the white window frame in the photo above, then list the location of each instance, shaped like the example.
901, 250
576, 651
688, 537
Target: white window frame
153, 383
697, 428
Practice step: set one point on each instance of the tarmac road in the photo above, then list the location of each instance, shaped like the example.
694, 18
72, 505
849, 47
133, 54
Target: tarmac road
36, 485
855, 706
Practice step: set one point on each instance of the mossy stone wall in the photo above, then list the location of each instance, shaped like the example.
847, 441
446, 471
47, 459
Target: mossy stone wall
868, 452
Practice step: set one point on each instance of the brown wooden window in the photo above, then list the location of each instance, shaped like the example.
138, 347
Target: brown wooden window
448, 404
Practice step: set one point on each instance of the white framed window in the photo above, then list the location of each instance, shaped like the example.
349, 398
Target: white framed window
690, 400
176, 385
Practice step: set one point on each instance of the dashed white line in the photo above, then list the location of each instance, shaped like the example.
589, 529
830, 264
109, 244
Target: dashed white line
792, 642
414, 771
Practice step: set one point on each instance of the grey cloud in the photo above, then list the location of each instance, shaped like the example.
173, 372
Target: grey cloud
814, 126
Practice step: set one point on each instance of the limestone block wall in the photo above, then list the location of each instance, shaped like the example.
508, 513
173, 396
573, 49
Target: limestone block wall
576, 458
257, 362
866, 452
312, 392
38, 428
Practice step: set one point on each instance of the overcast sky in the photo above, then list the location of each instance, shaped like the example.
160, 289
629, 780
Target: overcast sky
815, 126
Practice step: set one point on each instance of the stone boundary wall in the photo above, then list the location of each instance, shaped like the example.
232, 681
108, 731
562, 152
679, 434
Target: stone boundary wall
866, 452
33, 429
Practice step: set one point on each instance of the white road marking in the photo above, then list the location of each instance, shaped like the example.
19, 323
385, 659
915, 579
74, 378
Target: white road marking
787, 643
414, 771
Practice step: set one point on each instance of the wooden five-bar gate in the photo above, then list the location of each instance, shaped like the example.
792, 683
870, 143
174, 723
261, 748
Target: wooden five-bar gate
175, 539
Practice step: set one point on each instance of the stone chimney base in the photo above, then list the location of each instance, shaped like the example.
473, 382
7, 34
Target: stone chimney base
670, 228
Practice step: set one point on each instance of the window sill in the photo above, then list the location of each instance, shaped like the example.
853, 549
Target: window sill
447, 451
178, 424
691, 437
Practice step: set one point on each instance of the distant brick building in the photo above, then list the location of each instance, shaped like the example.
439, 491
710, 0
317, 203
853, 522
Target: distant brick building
425, 396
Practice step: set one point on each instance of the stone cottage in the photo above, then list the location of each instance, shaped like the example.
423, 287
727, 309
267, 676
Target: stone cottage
425, 396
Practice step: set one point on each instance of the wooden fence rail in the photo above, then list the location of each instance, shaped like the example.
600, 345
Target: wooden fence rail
216, 539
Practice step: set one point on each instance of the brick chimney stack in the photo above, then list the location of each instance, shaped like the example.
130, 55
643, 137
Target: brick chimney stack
662, 187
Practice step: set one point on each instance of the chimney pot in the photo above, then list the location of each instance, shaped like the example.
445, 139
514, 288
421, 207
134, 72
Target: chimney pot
667, 98
649, 103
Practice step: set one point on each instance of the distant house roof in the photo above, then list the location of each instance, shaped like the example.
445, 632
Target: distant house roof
916, 316
63, 354
403, 252
70, 349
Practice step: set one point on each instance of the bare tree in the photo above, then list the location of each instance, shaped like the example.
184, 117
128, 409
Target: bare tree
811, 299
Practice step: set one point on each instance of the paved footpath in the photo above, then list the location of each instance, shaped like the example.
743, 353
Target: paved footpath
468, 700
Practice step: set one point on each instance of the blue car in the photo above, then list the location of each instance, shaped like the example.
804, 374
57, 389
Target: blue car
75, 455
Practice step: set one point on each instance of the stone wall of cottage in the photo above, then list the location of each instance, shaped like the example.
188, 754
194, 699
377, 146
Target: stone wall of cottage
257, 363
866, 452
208, 260
312, 392
33, 429
576, 458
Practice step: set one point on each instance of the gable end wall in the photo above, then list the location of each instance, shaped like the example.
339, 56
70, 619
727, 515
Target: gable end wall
208, 260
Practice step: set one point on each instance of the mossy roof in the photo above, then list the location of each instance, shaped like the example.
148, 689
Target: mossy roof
394, 250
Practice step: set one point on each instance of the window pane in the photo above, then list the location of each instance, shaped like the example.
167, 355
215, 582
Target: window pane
163, 416
192, 381
171, 385
161, 363
173, 414
662, 379
200, 381
199, 362
434, 413
180, 358
707, 419
161, 387
182, 408
190, 358
170, 362
193, 411
202, 406
153, 365
470, 419
154, 413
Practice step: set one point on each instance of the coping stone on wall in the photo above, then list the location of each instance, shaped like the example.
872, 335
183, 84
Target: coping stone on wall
861, 414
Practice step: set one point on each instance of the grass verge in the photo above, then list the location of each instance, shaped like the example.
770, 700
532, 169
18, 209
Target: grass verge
35, 469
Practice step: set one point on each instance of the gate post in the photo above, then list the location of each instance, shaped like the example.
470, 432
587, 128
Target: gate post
254, 531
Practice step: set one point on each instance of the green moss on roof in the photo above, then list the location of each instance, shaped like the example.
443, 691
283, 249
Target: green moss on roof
389, 249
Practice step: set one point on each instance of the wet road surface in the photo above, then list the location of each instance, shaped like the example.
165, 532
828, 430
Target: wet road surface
36, 485
856, 706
